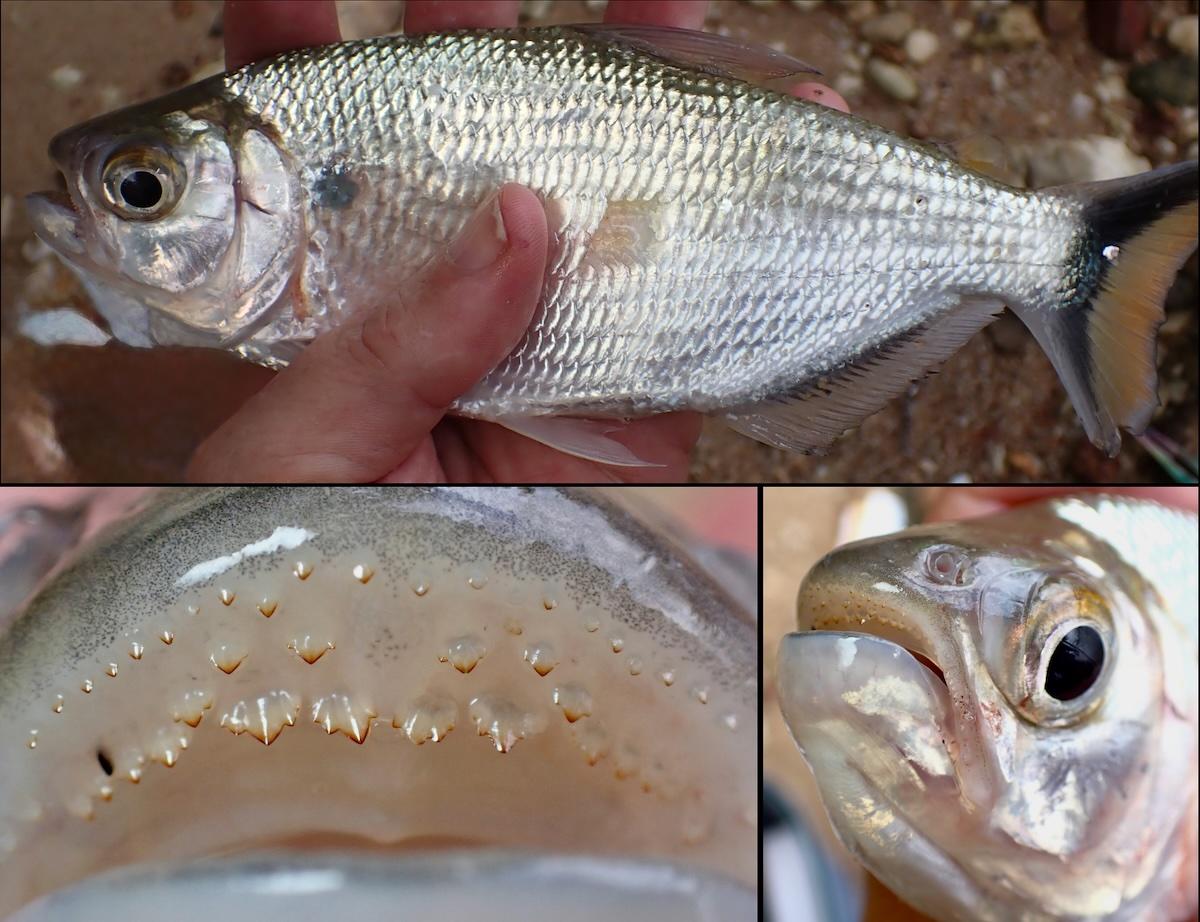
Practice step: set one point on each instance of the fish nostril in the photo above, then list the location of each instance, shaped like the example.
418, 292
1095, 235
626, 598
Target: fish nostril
105, 762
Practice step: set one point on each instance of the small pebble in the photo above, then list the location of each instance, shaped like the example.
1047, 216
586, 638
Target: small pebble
1061, 161
1062, 17
1170, 80
1028, 464
1184, 35
1014, 27
1110, 89
998, 80
852, 63
66, 77
860, 11
534, 9
961, 29
920, 45
892, 79
1165, 149
806, 6
1081, 106
890, 27
849, 85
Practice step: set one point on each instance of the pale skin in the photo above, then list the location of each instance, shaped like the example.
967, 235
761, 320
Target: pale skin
366, 401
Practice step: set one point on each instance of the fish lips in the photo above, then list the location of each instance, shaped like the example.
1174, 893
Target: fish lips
857, 700
875, 727
502, 885
57, 222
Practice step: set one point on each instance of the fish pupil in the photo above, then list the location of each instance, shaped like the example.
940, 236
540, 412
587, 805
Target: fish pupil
105, 762
141, 189
1075, 664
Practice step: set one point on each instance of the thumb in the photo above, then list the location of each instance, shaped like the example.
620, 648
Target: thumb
362, 397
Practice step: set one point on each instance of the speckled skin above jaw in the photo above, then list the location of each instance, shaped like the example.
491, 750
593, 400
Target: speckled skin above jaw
964, 756
527, 668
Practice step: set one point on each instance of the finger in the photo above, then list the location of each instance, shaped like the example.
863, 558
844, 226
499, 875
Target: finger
438, 15
818, 92
361, 398
682, 14
260, 28
969, 502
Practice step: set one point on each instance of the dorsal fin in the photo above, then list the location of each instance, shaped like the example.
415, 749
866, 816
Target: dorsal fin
703, 51
817, 412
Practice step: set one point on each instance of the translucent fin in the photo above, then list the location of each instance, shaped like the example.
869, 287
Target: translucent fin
986, 154
583, 438
704, 51
811, 417
1136, 234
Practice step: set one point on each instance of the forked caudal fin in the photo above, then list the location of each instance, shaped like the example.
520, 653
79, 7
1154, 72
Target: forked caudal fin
1100, 329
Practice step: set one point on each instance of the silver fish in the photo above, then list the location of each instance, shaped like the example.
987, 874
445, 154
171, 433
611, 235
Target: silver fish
716, 245
527, 670
1001, 713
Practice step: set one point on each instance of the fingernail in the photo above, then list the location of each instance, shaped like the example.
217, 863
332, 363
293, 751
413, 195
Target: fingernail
483, 239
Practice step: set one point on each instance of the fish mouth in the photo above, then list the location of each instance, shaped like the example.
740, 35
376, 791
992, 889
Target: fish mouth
314, 687
57, 222
501, 886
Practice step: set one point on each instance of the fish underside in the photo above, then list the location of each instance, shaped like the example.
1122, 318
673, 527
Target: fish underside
378, 684
1001, 714
716, 245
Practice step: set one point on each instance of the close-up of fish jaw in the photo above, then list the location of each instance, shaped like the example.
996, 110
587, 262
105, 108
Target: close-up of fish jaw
874, 725
261, 673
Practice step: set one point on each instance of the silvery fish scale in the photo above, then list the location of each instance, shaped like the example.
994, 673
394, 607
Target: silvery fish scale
714, 243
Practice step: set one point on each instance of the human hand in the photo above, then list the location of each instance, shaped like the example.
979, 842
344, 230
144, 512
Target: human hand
367, 400
970, 502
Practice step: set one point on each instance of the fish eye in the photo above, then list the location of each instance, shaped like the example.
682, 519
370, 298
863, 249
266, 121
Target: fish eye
142, 183
1075, 664
141, 189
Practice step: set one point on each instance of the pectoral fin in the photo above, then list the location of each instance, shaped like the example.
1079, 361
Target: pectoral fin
589, 439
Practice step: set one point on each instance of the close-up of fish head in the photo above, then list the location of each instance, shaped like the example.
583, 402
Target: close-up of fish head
240, 693
1000, 716
178, 219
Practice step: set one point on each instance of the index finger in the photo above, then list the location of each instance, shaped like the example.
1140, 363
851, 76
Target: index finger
260, 28
681, 14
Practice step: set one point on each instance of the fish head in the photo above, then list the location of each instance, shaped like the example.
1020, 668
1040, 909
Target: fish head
176, 211
987, 716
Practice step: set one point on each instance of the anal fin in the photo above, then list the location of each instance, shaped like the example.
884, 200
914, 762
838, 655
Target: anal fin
810, 417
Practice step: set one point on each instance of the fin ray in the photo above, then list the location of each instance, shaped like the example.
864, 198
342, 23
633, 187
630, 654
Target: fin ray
589, 439
811, 417
704, 51
1137, 232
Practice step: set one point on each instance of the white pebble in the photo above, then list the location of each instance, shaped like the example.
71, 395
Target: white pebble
1081, 106
890, 27
849, 85
920, 46
1184, 35
66, 77
892, 79
1110, 88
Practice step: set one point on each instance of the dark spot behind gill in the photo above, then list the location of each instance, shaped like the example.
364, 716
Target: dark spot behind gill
334, 188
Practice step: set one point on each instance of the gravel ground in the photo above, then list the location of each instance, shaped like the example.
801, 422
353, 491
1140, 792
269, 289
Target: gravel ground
1027, 74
